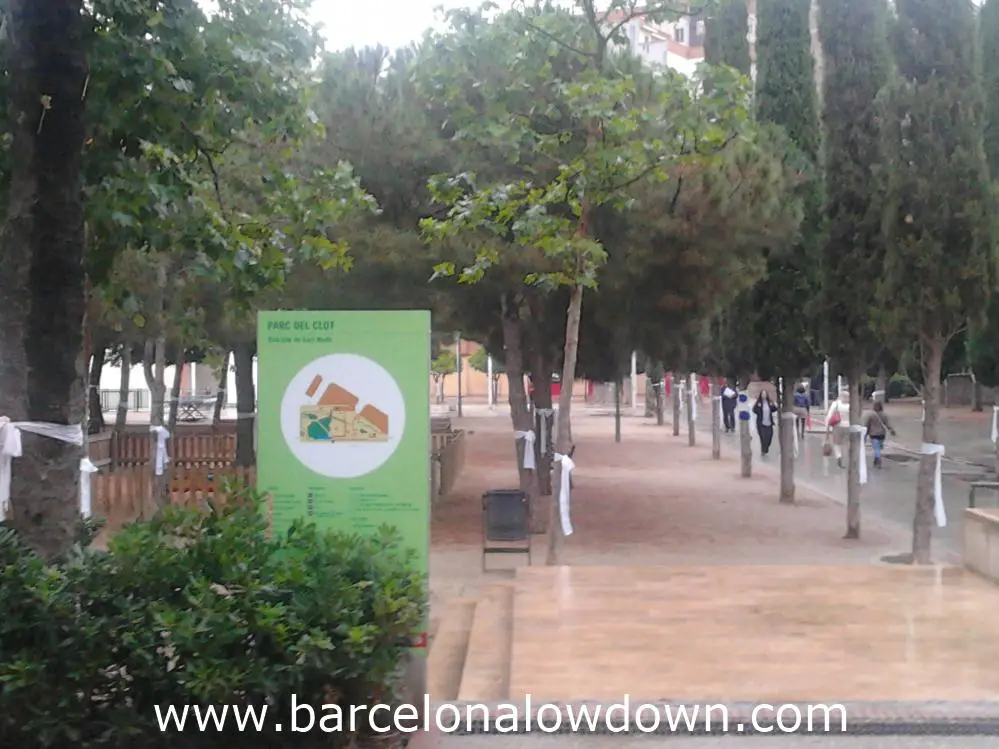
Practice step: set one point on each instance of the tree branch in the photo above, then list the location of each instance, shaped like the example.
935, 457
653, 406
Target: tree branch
552, 37
204, 151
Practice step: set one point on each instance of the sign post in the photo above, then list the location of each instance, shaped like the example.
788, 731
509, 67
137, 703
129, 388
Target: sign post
344, 427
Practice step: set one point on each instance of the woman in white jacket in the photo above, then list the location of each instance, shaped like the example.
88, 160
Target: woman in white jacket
838, 418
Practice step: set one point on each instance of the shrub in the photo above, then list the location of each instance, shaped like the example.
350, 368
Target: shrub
198, 607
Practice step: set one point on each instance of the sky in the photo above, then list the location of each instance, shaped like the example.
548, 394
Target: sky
391, 23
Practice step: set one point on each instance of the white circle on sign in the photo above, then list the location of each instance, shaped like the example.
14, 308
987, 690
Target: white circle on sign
343, 415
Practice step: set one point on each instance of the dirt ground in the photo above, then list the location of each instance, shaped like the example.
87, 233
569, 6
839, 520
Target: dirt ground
650, 499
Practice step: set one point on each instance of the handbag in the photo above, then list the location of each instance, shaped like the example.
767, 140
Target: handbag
826, 449
835, 419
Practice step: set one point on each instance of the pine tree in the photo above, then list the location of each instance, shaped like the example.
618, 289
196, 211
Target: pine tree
726, 36
857, 66
939, 260
784, 335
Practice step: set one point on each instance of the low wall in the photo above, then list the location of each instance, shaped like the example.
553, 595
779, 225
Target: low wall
981, 541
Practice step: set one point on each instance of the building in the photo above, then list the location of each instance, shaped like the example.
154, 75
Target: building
676, 44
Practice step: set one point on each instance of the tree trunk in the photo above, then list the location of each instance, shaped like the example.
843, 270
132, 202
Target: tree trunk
121, 417
854, 447
544, 429
246, 405
745, 438
617, 410
220, 396
881, 382
95, 420
691, 405
786, 436
542, 414
715, 420
520, 415
976, 403
41, 252
154, 368
922, 525
563, 443
650, 394
660, 405
676, 404
178, 379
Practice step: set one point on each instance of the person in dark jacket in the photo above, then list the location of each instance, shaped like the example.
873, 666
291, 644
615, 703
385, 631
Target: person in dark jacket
878, 427
766, 415
802, 409
729, 402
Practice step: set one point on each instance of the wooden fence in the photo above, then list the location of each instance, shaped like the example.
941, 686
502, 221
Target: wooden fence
202, 448
126, 494
200, 460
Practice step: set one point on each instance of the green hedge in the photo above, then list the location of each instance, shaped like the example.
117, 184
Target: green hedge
198, 607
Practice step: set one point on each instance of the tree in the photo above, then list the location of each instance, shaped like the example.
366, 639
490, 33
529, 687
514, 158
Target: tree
482, 361
857, 67
444, 364
782, 312
988, 30
42, 284
588, 139
939, 268
726, 36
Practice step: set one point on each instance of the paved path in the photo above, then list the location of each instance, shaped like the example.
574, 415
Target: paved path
890, 493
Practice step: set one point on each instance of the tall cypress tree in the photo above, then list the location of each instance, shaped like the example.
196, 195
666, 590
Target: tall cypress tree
983, 334
726, 36
857, 66
939, 261
988, 27
784, 332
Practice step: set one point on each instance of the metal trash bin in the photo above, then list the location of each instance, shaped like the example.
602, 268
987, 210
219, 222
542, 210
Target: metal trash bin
506, 523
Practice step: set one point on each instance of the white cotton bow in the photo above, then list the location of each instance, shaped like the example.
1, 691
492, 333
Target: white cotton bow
861, 453
161, 458
528, 437
565, 492
10, 447
939, 510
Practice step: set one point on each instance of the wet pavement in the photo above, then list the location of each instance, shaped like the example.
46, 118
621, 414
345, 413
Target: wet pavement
890, 493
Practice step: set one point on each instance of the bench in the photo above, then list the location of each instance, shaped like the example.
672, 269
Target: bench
981, 541
976, 485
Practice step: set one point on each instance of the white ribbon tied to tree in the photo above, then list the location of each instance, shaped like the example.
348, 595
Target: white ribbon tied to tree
544, 413
161, 458
86, 469
10, 448
790, 420
693, 400
861, 452
528, 460
995, 424
721, 411
939, 510
565, 493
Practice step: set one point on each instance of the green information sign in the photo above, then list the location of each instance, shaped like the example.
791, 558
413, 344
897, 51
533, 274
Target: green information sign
343, 430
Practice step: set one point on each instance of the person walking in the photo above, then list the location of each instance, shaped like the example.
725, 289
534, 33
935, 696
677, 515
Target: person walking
878, 428
802, 410
765, 411
837, 419
729, 401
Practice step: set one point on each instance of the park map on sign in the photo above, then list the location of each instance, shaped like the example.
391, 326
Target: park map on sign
335, 418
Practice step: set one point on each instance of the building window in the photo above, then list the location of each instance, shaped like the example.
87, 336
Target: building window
700, 28
678, 34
